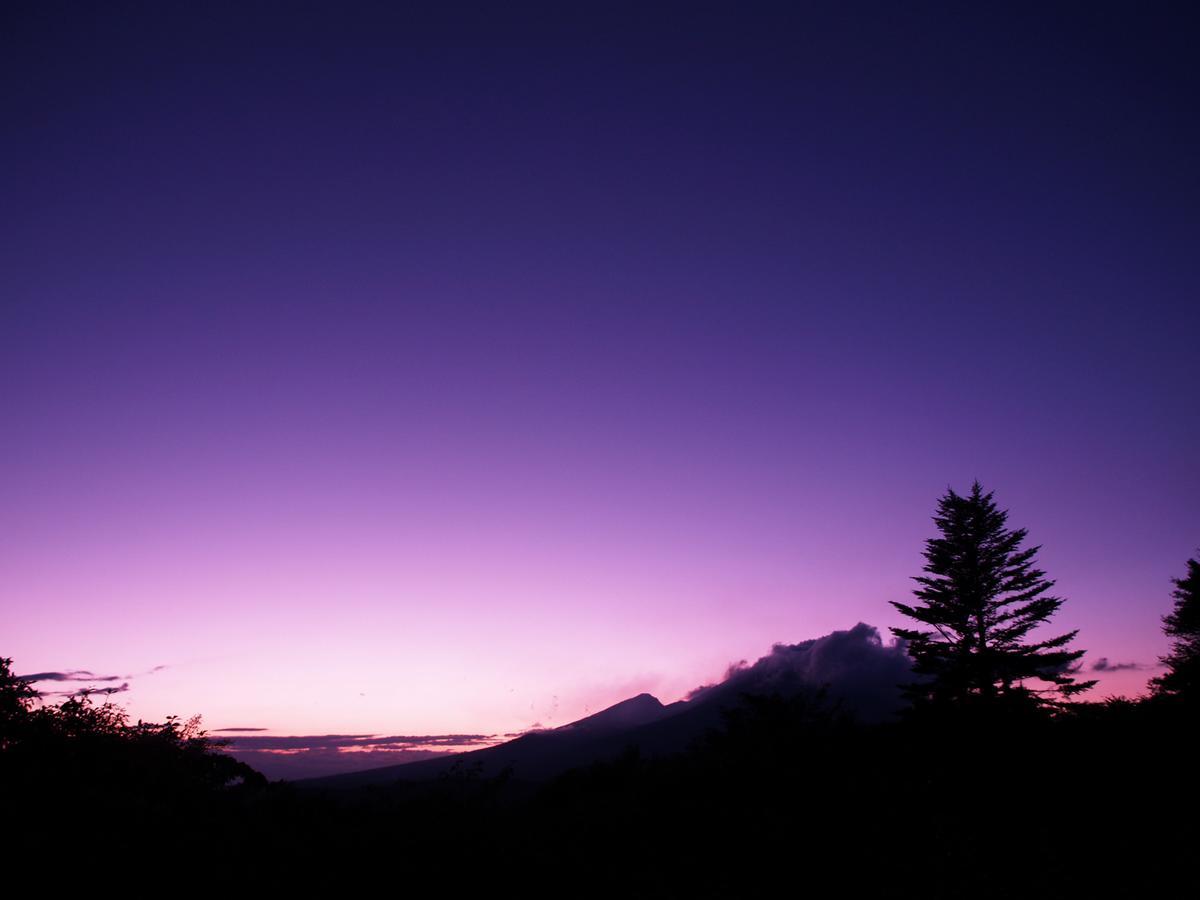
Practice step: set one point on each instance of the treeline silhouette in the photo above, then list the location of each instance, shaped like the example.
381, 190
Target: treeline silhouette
985, 787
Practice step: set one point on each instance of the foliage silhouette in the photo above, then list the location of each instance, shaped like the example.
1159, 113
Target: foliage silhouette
78, 760
16, 699
786, 790
1181, 681
981, 598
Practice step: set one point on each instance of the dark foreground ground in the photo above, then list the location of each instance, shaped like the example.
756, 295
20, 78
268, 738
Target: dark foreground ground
1102, 801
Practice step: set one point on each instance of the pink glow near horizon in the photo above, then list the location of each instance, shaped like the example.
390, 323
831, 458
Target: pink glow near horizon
310, 566
382, 632
415, 373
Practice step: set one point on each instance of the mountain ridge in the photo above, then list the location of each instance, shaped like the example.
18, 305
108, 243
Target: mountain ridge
854, 668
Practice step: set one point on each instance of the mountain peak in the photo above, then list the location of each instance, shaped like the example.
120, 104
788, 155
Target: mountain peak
627, 714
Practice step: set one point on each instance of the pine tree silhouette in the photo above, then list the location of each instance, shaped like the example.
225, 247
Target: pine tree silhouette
1182, 624
981, 598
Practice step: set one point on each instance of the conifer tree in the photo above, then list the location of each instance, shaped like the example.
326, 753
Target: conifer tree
1182, 624
982, 597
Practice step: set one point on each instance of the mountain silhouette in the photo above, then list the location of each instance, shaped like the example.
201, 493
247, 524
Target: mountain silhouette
627, 714
854, 667
642, 721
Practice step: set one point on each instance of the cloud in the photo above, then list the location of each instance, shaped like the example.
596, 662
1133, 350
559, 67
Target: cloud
85, 676
223, 730
74, 675
1103, 665
311, 756
1068, 667
855, 666
353, 742
87, 691
320, 762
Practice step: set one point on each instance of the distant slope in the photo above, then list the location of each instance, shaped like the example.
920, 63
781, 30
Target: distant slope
641, 722
856, 668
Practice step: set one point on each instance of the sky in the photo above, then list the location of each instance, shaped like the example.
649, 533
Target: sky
434, 369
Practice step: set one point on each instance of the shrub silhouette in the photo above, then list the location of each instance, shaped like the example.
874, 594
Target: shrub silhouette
16, 699
153, 784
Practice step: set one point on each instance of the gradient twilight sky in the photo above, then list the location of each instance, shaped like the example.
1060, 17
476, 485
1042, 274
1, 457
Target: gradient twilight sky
435, 369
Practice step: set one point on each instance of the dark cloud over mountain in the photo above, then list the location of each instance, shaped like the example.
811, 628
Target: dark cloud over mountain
856, 667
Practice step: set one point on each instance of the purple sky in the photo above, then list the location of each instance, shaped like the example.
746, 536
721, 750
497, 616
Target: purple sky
449, 372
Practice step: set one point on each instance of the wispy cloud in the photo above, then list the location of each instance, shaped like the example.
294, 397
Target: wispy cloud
225, 730
116, 689
73, 675
85, 676
353, 742
310, 756
1103, 665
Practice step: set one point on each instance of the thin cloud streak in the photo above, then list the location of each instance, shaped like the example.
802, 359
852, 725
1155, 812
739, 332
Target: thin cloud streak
1103, 665
353, 742
310, 756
